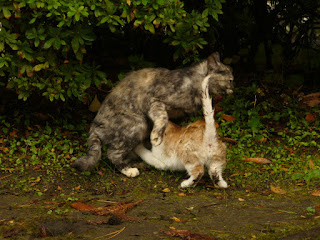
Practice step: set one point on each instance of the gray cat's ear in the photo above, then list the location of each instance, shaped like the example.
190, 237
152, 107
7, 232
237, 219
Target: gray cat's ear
212, 61
216, 56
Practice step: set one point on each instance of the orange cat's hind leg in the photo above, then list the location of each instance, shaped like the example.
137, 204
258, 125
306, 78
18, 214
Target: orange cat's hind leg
195, 172
215, 173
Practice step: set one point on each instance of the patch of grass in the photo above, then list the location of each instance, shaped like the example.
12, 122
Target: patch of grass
274, 128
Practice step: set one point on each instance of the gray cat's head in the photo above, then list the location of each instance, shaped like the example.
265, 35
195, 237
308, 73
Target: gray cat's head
221, 80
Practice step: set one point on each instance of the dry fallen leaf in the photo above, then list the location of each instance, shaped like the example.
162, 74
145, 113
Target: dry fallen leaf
312, 99
5, 176
277, 190
176, 219
186, 234
166, 190
316, 193
78, 187
311, 117
98, 222
118, 209
35, 181
241, 200
257, 160
263, 140
59, 188
13, 133
83, 206
228, 118
311, 164
95, 105
229, 140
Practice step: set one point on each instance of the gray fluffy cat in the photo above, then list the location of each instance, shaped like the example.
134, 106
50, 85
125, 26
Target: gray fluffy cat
146, 99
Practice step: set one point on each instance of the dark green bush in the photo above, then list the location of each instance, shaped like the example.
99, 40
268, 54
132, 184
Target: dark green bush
43, 44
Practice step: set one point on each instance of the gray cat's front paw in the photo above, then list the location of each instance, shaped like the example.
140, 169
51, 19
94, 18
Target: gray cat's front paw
155, 138
81, 164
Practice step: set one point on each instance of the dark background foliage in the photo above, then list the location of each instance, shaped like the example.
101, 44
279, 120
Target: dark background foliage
69, 50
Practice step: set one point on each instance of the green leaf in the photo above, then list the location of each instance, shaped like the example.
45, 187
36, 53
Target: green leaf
41, 86
103, 20
62, 97
218, 4
77, 17
57, 43
13, 46
112, 28
32, 20
70, 14
6, 12
205, 13
61, 24
137, 23
38, 67
161, 2
79, 56
89, 37
48, 43
75, 44
175, 43
215, 16
1, 46
36, 42
150, 27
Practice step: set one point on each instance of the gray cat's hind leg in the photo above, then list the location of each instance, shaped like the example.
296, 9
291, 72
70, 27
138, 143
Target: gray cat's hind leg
158, 114
121, 159
132, 132
91, 159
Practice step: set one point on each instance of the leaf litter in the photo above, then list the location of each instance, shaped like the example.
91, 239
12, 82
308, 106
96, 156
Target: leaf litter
118, 209
257, 160
277, 190
186, 235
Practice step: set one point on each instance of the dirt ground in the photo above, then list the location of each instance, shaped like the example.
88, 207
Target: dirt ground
165, 210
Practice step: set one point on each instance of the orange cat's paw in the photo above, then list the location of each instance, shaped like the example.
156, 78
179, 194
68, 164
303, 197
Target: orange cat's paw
187, 183
221, 184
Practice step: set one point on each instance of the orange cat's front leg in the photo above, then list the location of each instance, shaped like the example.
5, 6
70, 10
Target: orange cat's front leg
196, 172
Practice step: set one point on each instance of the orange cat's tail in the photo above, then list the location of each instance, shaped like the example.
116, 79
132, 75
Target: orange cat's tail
210, 135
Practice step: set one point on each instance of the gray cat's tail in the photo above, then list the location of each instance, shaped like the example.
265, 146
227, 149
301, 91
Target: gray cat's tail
210, 134
91, 159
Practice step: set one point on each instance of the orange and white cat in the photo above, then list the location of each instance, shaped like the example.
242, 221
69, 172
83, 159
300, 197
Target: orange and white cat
192, 148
